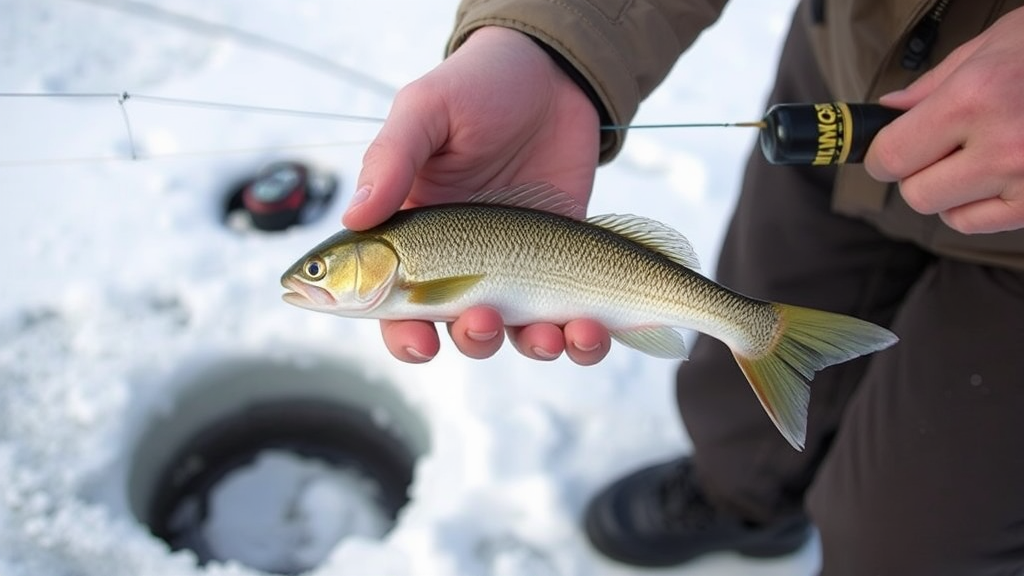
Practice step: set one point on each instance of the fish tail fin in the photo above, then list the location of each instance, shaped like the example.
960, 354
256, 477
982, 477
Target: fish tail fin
806, 341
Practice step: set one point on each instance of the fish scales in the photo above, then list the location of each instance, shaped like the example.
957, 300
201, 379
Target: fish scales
549, 254
634, 275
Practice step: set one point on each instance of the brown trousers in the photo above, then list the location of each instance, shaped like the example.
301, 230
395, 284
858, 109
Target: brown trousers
915, 455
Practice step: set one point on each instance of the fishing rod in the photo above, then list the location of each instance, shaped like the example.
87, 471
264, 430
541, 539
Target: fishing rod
808, 134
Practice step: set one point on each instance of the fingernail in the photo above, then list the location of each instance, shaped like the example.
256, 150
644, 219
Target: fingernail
360, 196
582, 348
481, 336
890, 95
417, 354
543, 354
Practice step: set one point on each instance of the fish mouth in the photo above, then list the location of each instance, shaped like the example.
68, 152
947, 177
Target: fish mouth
306, 295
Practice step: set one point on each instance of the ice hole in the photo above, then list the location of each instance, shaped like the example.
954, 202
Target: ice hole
272, 463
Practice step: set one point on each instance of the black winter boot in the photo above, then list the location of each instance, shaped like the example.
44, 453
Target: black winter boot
658, 517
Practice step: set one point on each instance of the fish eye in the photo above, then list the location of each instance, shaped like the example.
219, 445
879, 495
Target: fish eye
315, 268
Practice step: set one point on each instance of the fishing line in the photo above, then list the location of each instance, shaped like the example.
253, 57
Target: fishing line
124, 98
756, 124
811, 134
127, 124
185, 102
175, 155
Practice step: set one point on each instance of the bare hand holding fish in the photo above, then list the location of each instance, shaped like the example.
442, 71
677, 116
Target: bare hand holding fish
511, 251
497, 113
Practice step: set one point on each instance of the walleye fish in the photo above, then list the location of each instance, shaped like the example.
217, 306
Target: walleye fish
638, 277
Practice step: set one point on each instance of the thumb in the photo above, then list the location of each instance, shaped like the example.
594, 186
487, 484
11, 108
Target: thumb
920, 89
411, 134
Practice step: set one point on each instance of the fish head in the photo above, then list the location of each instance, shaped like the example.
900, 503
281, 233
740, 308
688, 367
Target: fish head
348, 278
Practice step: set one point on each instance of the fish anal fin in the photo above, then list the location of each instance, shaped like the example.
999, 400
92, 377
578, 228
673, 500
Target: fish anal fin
441, 290
653, 234
533, 195
657, 341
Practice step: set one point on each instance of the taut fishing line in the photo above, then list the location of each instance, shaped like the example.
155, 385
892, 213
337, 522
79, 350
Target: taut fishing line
122, 99
214, 29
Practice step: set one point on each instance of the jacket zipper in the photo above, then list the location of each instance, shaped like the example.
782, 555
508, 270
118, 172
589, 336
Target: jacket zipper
922, 38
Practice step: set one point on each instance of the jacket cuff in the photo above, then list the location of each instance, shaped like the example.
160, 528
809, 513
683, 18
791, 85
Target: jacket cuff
577, 79
620, 50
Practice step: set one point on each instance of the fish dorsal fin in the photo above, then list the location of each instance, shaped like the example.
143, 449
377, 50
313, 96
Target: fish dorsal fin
652, 234
534, 195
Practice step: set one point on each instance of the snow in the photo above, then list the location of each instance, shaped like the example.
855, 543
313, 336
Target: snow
120, 280
286, 510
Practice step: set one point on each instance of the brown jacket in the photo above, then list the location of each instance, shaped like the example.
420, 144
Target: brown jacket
624, 48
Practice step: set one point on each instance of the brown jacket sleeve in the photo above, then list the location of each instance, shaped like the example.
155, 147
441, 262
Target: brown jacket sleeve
623, 48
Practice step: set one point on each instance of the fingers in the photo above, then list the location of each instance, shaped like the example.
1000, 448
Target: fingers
586, 342
919, 89
968, 193
919, 138
542, 341
412, 341
930, 130
414, 130
479, 334
957, 180
986, 216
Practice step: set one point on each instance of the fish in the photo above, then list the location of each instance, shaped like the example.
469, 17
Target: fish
518, 250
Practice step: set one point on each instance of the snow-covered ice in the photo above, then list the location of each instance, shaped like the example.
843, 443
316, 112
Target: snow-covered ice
118, 276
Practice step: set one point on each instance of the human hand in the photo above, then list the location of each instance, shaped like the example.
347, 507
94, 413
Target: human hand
958, 151
498, 111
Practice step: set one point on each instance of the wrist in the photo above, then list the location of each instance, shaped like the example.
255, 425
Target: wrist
577, 78
527, 44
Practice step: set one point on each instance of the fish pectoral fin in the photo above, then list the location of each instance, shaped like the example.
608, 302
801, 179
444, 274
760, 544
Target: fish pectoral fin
657, 341
441, 290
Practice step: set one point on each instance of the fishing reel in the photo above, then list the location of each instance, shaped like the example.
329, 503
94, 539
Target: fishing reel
282, 195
